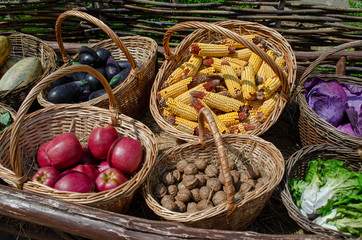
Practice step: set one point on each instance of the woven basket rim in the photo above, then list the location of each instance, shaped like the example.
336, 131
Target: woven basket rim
171, 64
293, 210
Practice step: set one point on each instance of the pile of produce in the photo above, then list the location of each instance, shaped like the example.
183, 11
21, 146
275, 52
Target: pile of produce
81, 86
340, 104
330, 195
196, 186
235, 83
105, 162
15, 71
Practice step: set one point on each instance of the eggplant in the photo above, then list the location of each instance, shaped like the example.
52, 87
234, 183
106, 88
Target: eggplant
93, 82
112, 68
85, 49
97, 93
88, 59
67, 93
124, 64
102, 70
79, 76
60, 81
120, 77
103, 55
84, 96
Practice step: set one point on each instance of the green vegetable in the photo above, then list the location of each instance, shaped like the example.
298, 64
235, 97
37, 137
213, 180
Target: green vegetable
5, 120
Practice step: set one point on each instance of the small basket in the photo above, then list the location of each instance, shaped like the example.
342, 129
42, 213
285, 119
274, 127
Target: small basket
132, 95
208, 33
237, 212
297, 165
22, 46
312, 128
21, 141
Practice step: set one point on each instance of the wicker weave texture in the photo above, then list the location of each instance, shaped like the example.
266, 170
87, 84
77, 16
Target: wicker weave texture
132, 95
210, 33
21, 141
297, 166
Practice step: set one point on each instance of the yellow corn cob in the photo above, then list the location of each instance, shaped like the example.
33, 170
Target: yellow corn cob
218, 101
167, 113
185, 125
216, 63
242, 54
229, 119
175, 89
265, 69
207, 72
267, 108
210, 50
238, 128
192, 66
268, 88
185, 97
231, 79
176, 75
179, 109
248, 83
280, 61
234, 60
251, 37
199, 104
255, 61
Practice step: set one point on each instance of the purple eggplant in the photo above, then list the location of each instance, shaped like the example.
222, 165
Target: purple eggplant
120, 77
112, 68
97, 93
103, 55
67, 93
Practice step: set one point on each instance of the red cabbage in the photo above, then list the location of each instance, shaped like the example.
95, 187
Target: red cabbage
347, 128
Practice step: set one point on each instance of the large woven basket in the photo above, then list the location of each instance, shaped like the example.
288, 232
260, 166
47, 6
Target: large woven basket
22, 46
239, 210
132, 95
209, 33
296, 167
312, 128
20, 143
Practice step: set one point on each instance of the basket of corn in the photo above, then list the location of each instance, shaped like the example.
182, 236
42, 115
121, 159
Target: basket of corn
24, 60
243, 72
322, 190
219, 183
27, 141
330, 105
132, 94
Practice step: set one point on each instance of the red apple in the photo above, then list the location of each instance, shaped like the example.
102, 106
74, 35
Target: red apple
74, 181
109, 179
90, 170
100, 139
62, 152
87, 156
46, 176
103, 166
125, 154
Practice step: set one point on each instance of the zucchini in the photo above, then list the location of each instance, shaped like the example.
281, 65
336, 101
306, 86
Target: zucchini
5, 47
21, 74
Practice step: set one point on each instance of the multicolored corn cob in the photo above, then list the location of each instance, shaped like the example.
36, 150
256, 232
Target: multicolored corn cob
232, 81
183, 124
268, 88
179, 109
251, 37
248, 85
208, 49
231, 118
267, 108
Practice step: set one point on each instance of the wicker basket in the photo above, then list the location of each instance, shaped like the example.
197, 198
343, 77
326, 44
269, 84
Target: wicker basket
296, 167
213, 32
132, 95
20, 143
22, 46
312, 128
239, 210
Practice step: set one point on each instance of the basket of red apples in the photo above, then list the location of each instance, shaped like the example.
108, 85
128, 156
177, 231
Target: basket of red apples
81, 154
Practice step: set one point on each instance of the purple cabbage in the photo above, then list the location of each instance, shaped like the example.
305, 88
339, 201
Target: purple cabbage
347, 128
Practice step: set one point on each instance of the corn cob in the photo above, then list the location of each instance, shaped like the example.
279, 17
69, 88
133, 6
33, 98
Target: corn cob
242, 54
255, 61
192, 66
238, 128
216, 63
179, 109
248, 83
280, 61
231, 79
208, 49
234, 60
231, 118
176, 75
218, 101
268, 88
167, 113
207, 71
199, 104
208, 86
175, 89
183, 124
265, 69
251, 37
267, 108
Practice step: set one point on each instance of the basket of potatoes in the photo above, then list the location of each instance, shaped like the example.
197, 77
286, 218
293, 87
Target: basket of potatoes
220, 183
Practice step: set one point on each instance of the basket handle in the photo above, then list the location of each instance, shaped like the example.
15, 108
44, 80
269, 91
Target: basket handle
226, 32
225, 169
98, 23
326, 54
20, 116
